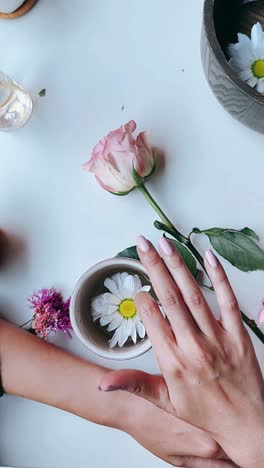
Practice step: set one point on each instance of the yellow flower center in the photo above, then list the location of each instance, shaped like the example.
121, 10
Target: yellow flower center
258, 68
127, 308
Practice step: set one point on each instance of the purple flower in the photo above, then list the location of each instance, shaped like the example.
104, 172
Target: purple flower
51, 313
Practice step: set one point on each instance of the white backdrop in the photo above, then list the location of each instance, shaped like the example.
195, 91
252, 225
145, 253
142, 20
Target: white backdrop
95, 58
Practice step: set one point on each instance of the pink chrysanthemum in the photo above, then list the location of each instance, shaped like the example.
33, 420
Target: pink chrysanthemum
51, 313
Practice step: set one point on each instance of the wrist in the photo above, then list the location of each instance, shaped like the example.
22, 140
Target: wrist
244, 442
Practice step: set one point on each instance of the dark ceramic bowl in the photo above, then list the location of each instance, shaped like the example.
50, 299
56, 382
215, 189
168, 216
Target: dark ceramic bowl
222, 20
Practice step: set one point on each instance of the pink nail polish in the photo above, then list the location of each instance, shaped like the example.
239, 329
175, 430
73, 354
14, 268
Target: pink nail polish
261, 316
143, 244
110, 388
211, 259
166, 247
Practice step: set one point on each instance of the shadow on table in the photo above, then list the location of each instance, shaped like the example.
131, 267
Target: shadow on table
12, 247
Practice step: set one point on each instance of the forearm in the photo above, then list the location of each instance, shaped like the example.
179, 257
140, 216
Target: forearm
35, 369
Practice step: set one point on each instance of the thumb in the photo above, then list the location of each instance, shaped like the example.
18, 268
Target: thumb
150, 387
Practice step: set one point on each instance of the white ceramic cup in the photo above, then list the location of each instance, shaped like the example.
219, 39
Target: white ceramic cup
90, 285
8, 6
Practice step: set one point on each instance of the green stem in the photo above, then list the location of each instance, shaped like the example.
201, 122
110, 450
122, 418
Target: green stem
196, 254
187, 241
180, 237
21, 326
249, 322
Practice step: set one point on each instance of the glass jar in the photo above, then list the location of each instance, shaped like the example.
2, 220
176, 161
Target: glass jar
15, 104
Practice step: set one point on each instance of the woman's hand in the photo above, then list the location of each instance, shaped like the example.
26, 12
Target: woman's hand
212, 377
35, 369
171, 439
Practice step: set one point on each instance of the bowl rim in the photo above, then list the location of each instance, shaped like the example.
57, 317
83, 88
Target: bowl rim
209, 24
142, 347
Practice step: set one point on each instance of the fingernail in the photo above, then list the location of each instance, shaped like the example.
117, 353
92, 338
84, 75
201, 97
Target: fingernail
143, 244
261, 317
211, 259
166, 247
110, 388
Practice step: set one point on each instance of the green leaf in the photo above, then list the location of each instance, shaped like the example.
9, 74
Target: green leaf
238, 249
42, 92
220, 231
187, 256
130, 252
250, 233
162, 227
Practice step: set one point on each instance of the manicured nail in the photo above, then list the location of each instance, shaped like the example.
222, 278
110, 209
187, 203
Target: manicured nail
261, 316
143, 244
211, 259
166, 247
110, 388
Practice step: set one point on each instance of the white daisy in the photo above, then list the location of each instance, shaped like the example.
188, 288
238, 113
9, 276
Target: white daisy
247, 57
117, 309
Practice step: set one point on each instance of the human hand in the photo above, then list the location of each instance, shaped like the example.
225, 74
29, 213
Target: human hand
212, 377
171, 439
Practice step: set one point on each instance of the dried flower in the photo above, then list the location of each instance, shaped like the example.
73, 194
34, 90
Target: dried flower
51, 313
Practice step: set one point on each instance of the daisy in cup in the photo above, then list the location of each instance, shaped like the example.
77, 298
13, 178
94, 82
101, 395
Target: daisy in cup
247, 57
117, 310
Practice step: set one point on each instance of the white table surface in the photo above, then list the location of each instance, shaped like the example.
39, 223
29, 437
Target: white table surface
94, 57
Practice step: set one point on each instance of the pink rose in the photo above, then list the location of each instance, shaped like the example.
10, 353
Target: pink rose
116, 155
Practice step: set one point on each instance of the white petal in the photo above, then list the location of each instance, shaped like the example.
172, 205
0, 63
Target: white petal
98, 300
244, 39
246, 74
137, 285
106, 319
121, 334
260, 86
134, 331
124, 275
141, 329
129, 326
146, 288
252, 82
256, 37
111, 299
111, 285
128, 287
116, 321
100, 308
113, 341
96, 317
